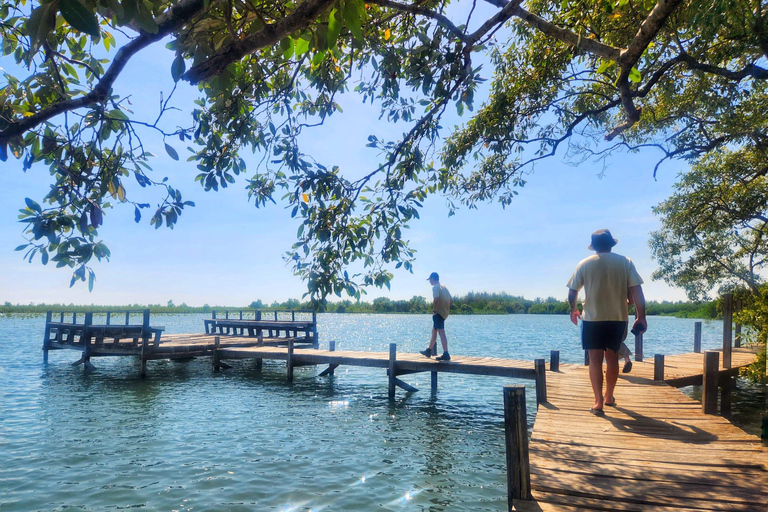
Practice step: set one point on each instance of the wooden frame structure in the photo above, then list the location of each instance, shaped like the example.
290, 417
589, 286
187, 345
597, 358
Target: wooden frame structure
256, 324
107, 339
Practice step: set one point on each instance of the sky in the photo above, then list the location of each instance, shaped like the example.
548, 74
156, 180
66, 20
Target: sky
226, 252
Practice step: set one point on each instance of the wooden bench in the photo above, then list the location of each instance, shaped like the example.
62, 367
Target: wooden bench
301, 331
88, 336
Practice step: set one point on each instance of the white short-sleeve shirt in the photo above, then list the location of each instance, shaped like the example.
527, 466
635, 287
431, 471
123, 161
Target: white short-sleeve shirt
605, 278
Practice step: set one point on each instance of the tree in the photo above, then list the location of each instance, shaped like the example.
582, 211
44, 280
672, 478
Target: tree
714, 235
684, 77
715, 226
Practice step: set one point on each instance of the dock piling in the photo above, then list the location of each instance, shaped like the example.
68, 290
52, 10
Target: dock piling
216, 355
697, 337
709, 385
554, 361
539, 367
47, 336
516, 435
639, 346
727, 329
658, 367
289, 361
392, 378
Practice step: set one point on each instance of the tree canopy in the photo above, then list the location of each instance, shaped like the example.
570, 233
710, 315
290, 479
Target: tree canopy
578, 78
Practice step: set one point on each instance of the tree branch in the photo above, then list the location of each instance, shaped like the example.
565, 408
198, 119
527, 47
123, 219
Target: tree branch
170, 21
570, 38
441, 19
300, 18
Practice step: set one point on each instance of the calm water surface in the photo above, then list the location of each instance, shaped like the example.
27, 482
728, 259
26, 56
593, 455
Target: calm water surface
187, 438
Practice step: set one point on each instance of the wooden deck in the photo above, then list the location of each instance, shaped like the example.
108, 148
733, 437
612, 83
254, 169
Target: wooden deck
655, 450
686, 369
405, 362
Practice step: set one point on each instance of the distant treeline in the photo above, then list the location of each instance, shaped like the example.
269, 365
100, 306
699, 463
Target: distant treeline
478, 303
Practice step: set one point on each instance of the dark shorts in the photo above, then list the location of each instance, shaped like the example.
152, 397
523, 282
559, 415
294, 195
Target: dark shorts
602, 335
438, 322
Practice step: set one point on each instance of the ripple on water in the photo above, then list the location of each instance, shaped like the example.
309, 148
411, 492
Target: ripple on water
189, 439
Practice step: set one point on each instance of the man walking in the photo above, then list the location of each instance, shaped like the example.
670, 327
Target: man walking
605, 277
441, 307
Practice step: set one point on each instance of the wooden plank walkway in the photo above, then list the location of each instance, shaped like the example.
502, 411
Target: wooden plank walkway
686, 369
406, 362
655, 450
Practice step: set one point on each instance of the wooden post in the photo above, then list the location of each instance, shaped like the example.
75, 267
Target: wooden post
737, 327
86, 339
727, 328
316, 343
289, 362
709, 385
216, 357
47, 335
61, 317
258, 314
293, 315
697, 337
725, 396
145, 324
213, 314
226, 314
516, 434
586, 358
127, 317
541, 381
332, 348
74, 318
275, 315
109, 316
658, 367
434, 382
554, 360
639, 346
392, 360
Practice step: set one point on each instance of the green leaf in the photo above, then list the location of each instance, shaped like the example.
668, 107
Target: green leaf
605, 66
354, 11
635, 76
302, 44
32, 205
145, 19
334, 27
178, 67
286, 45
79, 17
171, 152
40, 23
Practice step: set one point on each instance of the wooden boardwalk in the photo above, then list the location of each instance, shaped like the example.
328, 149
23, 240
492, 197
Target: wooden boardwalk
655, 450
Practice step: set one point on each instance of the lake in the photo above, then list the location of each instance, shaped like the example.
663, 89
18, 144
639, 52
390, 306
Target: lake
187, 438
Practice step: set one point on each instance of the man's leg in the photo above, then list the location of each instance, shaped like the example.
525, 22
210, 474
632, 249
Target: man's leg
596, 375
443, 339
611, 373
433, 339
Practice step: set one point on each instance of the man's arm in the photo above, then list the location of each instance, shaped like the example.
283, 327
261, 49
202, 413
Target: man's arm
639, 299
434, 306
575, 313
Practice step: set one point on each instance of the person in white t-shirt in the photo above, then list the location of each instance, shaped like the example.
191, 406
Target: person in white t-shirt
441, 307
605, 277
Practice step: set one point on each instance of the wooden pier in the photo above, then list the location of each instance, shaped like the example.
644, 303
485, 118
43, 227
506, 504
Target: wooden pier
656, 450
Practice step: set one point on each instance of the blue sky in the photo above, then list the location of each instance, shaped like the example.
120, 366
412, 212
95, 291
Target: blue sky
226, 252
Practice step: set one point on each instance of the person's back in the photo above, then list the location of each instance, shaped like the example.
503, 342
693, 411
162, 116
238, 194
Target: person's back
605, 277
